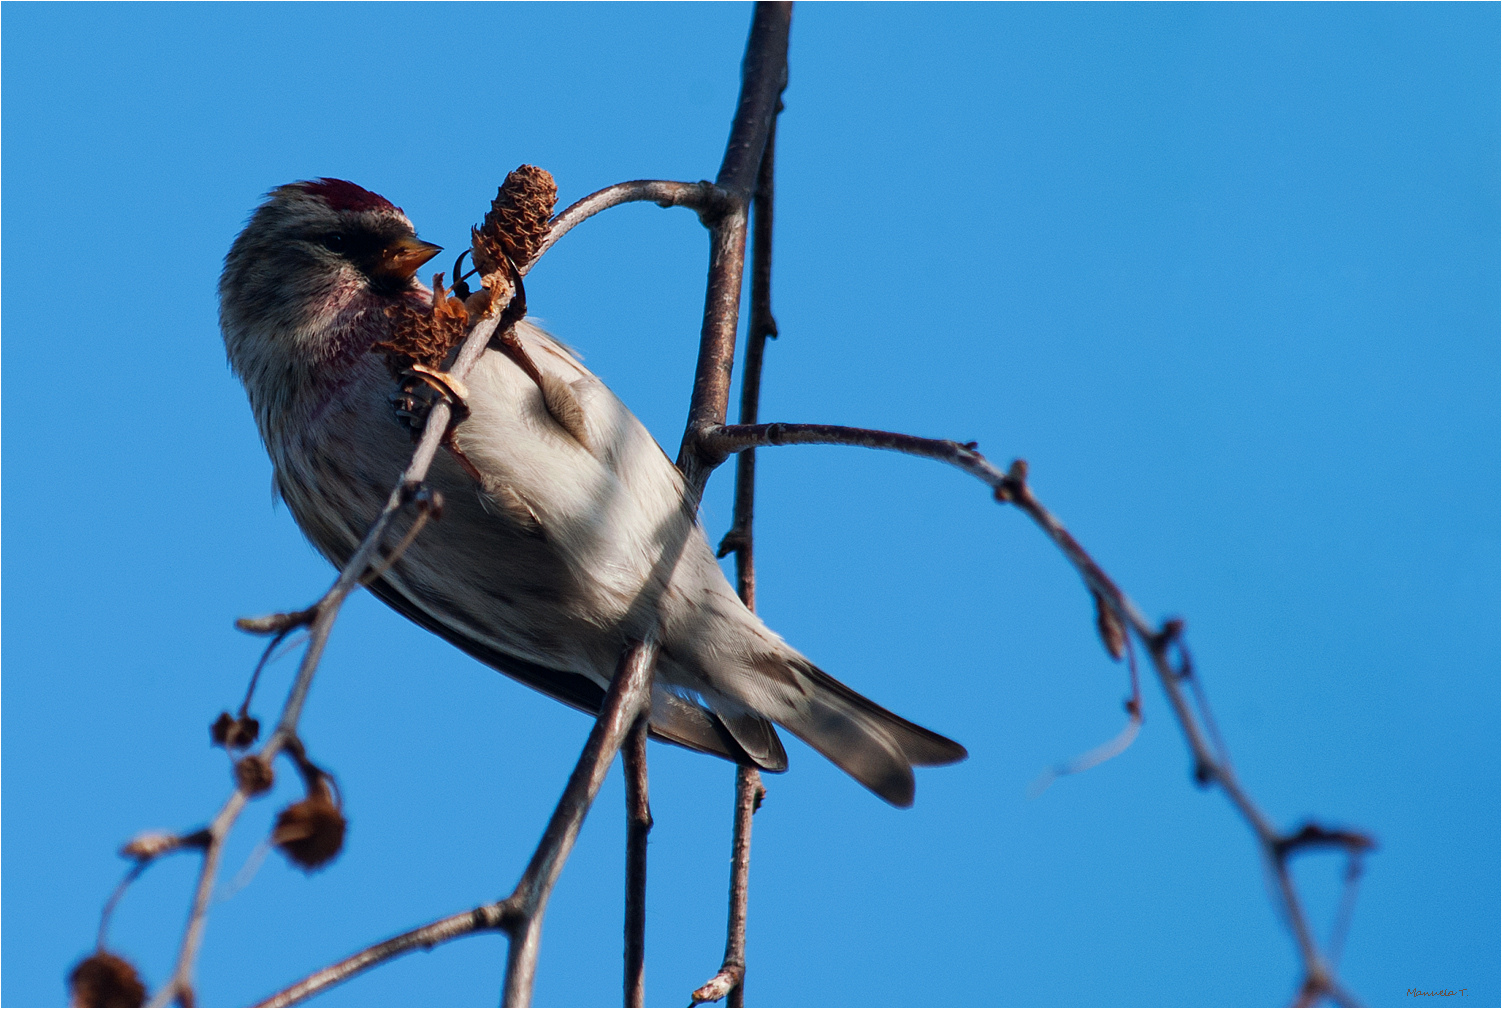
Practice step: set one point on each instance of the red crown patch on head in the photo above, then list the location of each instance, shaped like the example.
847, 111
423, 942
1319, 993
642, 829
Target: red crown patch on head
342, 195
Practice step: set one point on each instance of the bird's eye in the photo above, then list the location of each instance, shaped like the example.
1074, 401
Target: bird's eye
333, 241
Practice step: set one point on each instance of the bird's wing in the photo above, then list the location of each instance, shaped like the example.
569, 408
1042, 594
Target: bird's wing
674, 719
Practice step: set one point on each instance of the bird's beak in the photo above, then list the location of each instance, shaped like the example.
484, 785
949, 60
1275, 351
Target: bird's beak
400, 259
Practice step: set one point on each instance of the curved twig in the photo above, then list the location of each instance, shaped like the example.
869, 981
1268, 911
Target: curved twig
1163, 644
705, 198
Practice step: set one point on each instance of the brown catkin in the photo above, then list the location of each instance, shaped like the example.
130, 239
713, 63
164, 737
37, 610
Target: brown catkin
518, 219
105, 979
311, 832
424, 336
514, 228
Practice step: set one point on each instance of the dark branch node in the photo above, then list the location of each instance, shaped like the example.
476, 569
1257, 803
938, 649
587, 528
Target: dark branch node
734, 540
713, 205
234, 733
1170, 634
1312, 835
1013, 487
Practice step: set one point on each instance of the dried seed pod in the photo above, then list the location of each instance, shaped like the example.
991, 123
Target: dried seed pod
105, 980
421, 336
311, 832
234, 733
254, 775
518, 219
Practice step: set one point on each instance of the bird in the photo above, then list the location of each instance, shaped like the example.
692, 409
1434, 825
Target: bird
566, 531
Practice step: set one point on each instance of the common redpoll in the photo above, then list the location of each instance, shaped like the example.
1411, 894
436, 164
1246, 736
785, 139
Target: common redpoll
567, 533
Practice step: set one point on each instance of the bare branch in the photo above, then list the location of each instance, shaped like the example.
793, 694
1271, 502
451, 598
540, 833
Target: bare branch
638, 827
1162, 645
520, 915
730, 982
732, 438
486, 918
763, 76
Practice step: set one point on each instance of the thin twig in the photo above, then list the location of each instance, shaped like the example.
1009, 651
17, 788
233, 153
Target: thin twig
486, 918
1162, 645
730, 982
638, 827
109, 906
705, 198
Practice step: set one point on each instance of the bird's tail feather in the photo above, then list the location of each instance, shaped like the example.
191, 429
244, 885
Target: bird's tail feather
868, 742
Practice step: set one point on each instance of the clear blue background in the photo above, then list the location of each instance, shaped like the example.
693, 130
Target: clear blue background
1225, 275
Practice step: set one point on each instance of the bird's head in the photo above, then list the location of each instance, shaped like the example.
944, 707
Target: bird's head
308, 280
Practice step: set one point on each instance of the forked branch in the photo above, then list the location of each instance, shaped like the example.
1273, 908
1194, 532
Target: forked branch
520, 915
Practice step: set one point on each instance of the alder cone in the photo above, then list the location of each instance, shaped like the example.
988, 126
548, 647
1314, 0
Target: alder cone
424, 337
518, 219
234, 733
105, 980
311, 832
254, 775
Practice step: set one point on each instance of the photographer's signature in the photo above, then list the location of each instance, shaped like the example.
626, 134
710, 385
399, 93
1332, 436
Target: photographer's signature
1416, 992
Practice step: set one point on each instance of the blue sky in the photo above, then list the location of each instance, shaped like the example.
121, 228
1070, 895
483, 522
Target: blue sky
1225, 275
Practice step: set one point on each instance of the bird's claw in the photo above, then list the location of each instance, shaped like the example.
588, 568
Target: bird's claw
422, 388
412, 403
